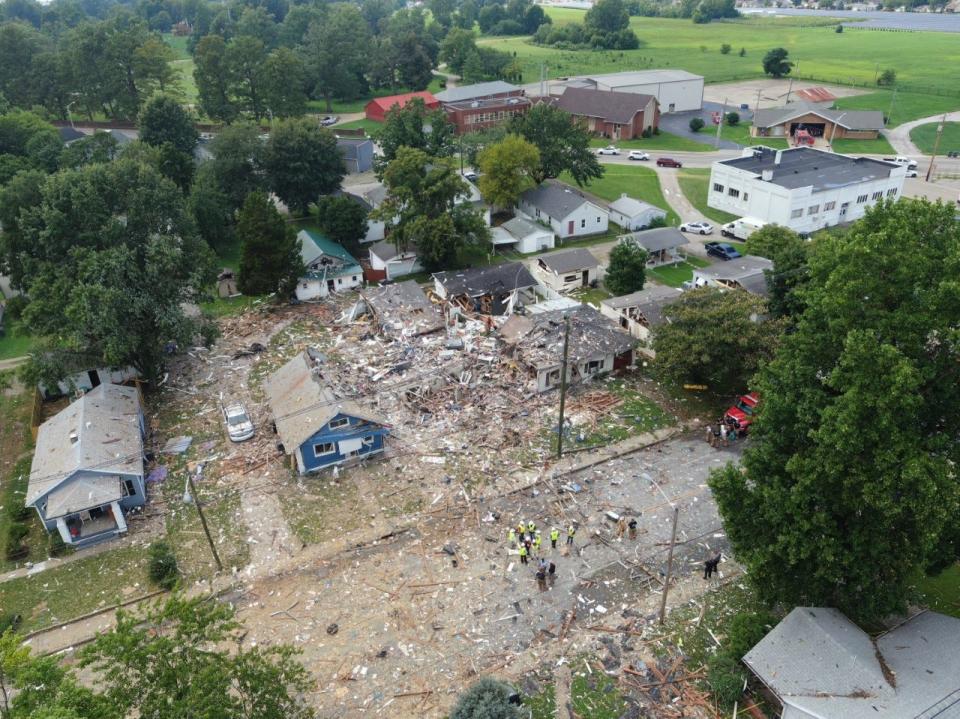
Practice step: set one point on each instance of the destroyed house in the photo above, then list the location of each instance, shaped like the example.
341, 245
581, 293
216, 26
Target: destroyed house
317, 428
87, 469
642, 312
329, 267
402, 309
496, 290
596, 345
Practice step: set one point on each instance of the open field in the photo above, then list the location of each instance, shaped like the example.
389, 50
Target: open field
693, 182
848, 58
639, 182
925, 136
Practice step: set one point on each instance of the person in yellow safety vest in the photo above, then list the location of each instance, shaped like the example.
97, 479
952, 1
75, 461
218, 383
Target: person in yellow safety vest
536, 542
521, 528
554, 536
531, 527
571, 530
511, 537
523, 554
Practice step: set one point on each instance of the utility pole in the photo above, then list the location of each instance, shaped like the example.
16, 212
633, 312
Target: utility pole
666, 583
789, 90
723, 114
203, 520
563, 383
757, 106
936, 146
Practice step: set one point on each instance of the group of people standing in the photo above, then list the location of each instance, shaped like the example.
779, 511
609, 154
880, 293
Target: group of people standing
721, 433
528, 540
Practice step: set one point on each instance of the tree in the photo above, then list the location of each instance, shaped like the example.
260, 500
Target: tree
627, 270
109, 256
22, 192
342, 220
456, 47
97, 148
472, 69
487, 699
211, 208
163, 120
838, 29
238, 156
335, 54
849, 488
725, 49
563, 145
696, 124
245, 58
607, 16
152, 62
732, 118
284, 81
302, 162
707, 328
507, 170
888, 77
775, 62
788, 251
169, 662
404, 127
270, 252
211, 74
163, 569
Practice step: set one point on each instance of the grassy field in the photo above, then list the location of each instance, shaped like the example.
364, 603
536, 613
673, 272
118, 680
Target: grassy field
693, 182
924, 137
639, 182
900, 107
880, 146
740, 134
676, 275
851, 57
663, 141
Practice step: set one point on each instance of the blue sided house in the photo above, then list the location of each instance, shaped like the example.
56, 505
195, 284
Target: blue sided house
329, 267
87, 470
317, 428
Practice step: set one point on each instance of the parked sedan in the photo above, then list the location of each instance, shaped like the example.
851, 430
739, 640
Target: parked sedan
239, 425
911, 173
471, 176
722, 250
609, 150
329, 120
697, 228
668, 162
637, 155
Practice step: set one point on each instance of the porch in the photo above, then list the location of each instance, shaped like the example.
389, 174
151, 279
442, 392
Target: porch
666, 256
92, 525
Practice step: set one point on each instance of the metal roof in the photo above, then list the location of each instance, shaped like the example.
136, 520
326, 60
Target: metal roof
349, 146
313, 246
556, 199
100, 432
520, 227
475, 91
820, 664
569, 260
850, 119
391, 101
649, 301
479, 281
631, 207
641, 77
616, 107
748, 271
301, 404
807, 167
659, 238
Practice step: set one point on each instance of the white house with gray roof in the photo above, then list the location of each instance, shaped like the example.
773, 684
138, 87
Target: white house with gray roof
567, 270
569, 212
523, 236
802, 188
662, 244
817, 664
633, 214
87, 469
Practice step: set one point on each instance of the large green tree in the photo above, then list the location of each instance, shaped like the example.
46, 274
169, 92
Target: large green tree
108, 257
775, 62
715, 337
849, 486
788, 251
342, 220
211, 74
284, 78
302, 162
627, 270
335, 52
607, 16
270, 253
405, 127
564, 145
164, 121
238, 156
507, 170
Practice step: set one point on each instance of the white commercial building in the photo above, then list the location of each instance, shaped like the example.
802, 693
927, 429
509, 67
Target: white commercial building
675, 90
802, 188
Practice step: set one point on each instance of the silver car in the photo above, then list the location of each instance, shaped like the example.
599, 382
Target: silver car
239, 426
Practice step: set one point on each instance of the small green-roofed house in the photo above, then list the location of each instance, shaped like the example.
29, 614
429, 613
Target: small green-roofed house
330, 268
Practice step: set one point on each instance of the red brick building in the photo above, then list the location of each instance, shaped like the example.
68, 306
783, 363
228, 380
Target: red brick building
378, 107
616, 115
473, 115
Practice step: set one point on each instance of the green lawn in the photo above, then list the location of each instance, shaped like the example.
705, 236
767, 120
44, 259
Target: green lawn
924, 137
693, 182
16, 342
740, 134
639, 182
660, 142
592, 295
942, 592
676, 275
880, 146
371, 127
903, 106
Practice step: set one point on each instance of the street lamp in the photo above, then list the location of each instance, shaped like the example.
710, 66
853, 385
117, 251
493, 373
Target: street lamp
70, 114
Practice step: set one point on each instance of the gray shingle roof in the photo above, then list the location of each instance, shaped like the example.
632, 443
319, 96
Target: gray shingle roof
98, 432
569, 260
555, 199
650, 302
617, 107
807, 167
631, 207
850, 119
748, 271
478, 281
520, 227
478, 90
83, 493
659, 238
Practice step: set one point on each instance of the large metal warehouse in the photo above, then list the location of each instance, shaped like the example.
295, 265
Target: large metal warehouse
675, 90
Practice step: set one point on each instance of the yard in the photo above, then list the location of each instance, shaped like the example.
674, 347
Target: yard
16, 341
639, 182
880, 146
740, 134
925, 136
901, 106
694, 184
676, 275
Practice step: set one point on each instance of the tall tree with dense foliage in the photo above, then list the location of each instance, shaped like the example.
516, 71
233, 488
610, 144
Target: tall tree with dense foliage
849, 486
507, 170
211, 74
302, 162
238, 157
607, 16
164, 121
776, 64
107, 276
564, 145
343, 220
788, 251
211, 208
22, 192
405, 128
715, 337
335, 52
627, 271
284, 80
270, 252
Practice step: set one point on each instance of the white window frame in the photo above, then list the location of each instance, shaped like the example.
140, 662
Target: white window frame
794, 214
368, 440
717, 187
813, 209
338, 423
324, 453
827, 206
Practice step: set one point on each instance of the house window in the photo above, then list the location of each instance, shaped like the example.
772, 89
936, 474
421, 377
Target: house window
319, 450
594, 366
891, 192
128, 488
583, 222
813, 209
796, 213
339, 280
368, 441
717, 187
355, 278
877, 195
861, 199
570, 278
338, 423
733, 193
746, 196
827, 206
598, 220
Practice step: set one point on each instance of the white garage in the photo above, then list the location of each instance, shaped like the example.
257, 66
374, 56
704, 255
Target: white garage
675, 90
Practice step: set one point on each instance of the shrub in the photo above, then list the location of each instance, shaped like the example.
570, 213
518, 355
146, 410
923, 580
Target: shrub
14, 547
746, 629
19, 512
9, 621
733, 119
696, 124
725, 676
838, 29
657, 222
163, 565
15, 306
56, 547
647, 133
887, 77
725, 49
487, 699
743, 51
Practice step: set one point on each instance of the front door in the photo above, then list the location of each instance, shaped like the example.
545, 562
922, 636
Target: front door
843, 208
570, 227
586, 278
94, 377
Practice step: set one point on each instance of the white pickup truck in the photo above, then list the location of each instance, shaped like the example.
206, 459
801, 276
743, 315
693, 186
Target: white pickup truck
741, 229
910, 164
